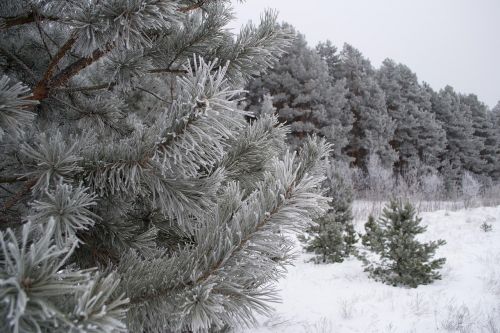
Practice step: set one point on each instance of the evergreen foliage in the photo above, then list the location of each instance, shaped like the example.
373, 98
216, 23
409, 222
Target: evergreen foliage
135, 196
463, 147
332, 238
383, 112
418, 138
372, 237
494, 116
305, 96
373, 128
403, 260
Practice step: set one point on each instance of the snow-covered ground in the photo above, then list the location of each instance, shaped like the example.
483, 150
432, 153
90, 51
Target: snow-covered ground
338, 298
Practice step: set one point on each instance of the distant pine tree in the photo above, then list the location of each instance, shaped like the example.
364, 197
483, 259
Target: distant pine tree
418, 138
373, 128
402, 259
463, 148
305, 96
495, 121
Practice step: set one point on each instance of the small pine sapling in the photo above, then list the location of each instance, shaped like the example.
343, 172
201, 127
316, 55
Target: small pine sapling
332, 238
372, 238
403, 260
486, 227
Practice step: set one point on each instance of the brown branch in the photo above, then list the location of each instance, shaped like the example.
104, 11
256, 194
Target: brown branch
11, 179
41, 89
39, 28
30, 18
58, 56
77, 66
167, 70
112, 84
27, 186
194, 6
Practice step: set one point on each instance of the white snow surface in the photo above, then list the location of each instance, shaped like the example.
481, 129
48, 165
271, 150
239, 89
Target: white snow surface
338, 298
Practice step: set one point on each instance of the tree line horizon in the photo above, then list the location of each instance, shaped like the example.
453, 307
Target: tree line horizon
385, 111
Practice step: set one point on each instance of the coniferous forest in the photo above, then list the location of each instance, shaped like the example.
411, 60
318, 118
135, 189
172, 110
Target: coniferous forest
157, 168
382, 118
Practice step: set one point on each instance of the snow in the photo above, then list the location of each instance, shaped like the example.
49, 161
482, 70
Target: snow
341, 298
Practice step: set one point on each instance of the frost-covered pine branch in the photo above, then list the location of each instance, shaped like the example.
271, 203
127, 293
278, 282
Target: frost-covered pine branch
136, 197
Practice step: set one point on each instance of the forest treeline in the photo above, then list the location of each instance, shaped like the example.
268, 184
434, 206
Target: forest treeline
381, 118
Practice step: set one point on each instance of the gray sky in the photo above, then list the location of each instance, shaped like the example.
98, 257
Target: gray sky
455, 42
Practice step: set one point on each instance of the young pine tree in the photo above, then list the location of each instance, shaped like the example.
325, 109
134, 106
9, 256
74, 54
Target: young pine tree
403, 260
134, 195
332, 237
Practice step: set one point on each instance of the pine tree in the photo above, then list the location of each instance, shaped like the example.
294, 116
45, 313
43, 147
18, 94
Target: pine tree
373, 128
462, 147
484, 132
328, 52
305, 96
494, 116
135, 196
403, 259
332, 238
372, 237
418, 138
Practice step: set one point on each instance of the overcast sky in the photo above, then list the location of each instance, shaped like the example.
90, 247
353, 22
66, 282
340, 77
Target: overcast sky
455, 42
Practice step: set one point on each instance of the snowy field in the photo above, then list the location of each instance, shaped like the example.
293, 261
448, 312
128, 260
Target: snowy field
338, 298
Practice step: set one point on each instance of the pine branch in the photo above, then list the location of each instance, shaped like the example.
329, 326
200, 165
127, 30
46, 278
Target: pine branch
77, 66
27, 186
151, 93
88, 88
245, 240
10, 179
212, 270
168, 70
42, 33
194, 6
10, 22
32, 17
112, 84
41, 89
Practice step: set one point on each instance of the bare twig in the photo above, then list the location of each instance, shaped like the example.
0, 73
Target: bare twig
88, 88
168, 70
152, 94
